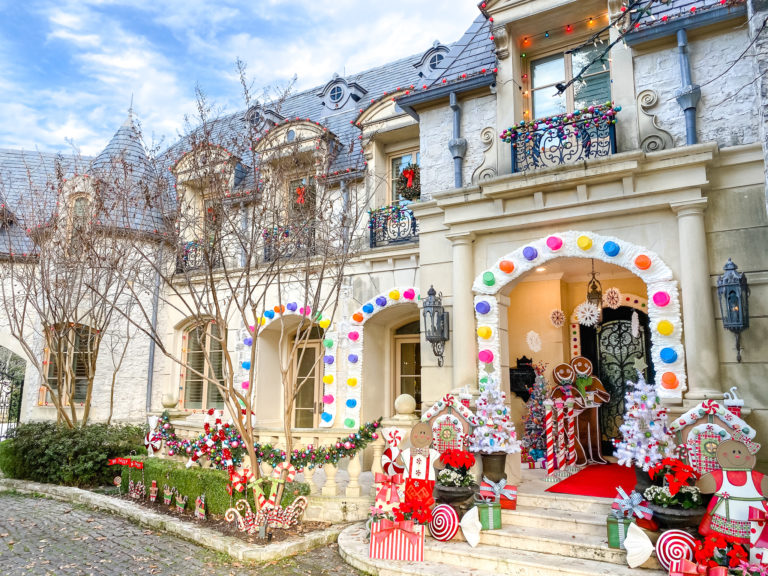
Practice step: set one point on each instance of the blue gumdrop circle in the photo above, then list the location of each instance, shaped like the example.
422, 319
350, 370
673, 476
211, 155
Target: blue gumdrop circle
246, 365
611, 249
325, 417
483, 307
292, 306
269, 314
353, 358
381, 301
368, 308
351, 403
668, 355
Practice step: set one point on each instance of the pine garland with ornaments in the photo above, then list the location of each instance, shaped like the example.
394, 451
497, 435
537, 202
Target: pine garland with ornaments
223, 446
645, 437
496, 432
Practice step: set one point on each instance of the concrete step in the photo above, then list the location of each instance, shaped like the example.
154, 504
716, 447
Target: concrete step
565, 502
555, 520
480, 561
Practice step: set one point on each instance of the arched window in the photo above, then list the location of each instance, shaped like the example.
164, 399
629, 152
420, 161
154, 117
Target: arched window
203, 366
79, 213
307, 366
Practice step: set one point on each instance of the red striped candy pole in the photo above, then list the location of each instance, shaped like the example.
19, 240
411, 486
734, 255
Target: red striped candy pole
561, 448
550, 438
571, 434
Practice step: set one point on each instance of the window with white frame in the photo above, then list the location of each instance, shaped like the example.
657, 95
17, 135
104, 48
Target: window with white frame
397, 163
307, 367
592, 88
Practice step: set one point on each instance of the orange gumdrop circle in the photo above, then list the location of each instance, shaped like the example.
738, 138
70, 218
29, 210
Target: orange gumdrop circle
669, 380
357, 317
643, 262
506, 266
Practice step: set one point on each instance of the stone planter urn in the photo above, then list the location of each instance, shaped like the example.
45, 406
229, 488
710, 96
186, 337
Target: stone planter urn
453, 494
679, 518
493, 465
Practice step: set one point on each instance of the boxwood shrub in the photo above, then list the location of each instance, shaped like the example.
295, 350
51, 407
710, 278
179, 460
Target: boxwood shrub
193, 481
46, 452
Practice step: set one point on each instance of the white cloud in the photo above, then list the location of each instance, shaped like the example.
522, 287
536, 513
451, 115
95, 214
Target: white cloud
192, 41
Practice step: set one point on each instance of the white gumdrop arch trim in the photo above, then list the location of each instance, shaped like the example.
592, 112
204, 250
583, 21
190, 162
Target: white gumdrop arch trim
574, 334
666, 326
329, 353
352, 338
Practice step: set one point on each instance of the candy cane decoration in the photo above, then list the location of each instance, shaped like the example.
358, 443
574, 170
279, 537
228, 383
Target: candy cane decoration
550, 440
277, 472
561, 448
571, 433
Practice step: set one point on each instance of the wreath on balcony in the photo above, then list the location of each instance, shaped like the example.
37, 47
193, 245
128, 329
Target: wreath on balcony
408, 184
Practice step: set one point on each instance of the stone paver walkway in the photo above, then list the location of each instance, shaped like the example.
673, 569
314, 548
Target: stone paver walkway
39, 536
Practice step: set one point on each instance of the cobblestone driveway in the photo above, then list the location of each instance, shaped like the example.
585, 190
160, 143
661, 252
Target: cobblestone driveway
40, 536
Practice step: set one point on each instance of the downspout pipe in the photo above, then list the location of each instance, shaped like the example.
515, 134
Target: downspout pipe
151, 361
689, 94
457, 145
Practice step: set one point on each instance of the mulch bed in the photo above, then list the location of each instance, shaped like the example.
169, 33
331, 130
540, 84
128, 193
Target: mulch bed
220, 524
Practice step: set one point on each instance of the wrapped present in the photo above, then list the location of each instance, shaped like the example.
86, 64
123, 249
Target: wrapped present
617, 530
634, 506
490, 514
758, 536
388, 490
501, 492
684, 567
397, 541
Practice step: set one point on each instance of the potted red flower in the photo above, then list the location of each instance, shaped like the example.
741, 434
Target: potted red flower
454, 482
677, 503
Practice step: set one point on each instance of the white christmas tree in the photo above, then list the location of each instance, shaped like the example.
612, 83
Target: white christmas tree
645, 437
496, 432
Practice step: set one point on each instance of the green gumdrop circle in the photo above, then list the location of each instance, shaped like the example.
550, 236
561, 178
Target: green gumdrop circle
328, 343
349, 423
489, 279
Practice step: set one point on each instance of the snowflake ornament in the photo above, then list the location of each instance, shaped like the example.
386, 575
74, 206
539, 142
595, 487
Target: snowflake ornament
557, 318
612, 298
534, 341
587, 314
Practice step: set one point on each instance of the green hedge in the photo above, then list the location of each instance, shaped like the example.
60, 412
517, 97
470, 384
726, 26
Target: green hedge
193, 481
46, 452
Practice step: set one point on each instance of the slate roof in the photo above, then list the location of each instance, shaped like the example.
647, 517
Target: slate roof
473, 52
661, 13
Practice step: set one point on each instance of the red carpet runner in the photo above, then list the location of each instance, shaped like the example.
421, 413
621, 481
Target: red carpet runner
597, 480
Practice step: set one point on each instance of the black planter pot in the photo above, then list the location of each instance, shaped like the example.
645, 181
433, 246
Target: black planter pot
679, 518
642, 479
453, 494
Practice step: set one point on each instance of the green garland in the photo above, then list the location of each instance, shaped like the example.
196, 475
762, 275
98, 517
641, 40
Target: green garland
401, 186
223, 454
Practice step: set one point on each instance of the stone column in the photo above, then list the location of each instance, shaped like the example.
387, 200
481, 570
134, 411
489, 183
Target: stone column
699, 332
758, 12
462, 316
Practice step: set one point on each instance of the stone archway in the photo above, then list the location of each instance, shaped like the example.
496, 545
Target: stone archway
667, 350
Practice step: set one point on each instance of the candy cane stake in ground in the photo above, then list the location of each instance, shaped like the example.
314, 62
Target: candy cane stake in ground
550, 440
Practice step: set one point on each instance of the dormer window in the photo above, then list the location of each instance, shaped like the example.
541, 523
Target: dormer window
435, 59
336, 94
431, 60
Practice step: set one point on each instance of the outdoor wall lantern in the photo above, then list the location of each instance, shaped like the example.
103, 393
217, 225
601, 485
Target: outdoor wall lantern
733, 292
436, 323
595, 293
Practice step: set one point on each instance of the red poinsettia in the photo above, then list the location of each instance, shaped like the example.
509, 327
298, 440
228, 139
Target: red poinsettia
676, 474
457, 458
719, 550
416, 511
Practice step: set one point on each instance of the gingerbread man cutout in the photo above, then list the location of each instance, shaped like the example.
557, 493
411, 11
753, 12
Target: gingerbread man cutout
420, 462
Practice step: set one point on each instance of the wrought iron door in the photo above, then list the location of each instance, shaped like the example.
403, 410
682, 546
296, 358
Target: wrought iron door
11, 385
617, 351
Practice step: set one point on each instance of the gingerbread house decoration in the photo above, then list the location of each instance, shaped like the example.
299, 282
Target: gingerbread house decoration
451, 423
703, 428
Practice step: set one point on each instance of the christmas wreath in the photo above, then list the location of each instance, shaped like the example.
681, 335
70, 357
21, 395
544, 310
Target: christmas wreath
408, 183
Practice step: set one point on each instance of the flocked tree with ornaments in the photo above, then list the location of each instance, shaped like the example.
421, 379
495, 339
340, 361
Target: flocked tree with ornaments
534, 439
496, 432
645, 437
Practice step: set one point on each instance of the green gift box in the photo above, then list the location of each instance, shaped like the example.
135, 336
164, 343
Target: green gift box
617, 530
490, 515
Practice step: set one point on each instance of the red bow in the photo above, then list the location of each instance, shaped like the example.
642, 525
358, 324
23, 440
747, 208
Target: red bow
300, 191
387, 528
388, 491
409, 174
685, 567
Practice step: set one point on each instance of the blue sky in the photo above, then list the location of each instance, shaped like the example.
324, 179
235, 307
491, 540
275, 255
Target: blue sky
68, 68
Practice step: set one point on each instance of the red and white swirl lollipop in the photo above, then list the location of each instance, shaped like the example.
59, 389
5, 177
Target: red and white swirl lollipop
388, 462
444, 523
674, 545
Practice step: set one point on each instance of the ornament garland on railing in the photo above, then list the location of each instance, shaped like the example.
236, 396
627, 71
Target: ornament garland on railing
603, 114
223, 446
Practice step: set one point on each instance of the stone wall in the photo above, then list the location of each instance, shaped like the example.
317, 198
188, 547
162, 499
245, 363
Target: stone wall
728, 110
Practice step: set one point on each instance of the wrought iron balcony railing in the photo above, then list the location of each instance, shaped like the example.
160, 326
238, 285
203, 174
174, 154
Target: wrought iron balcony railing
194, 256
566, 139
288, 242
393, 224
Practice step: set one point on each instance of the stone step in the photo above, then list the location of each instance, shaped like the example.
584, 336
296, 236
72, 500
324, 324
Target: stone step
571, 544
480, 561
566, 502
556, 521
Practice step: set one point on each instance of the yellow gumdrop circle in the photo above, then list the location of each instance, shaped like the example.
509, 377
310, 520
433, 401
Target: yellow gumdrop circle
352, 382
328, 379
665, 327
484, 332
394, 295
324, 323
584, 242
